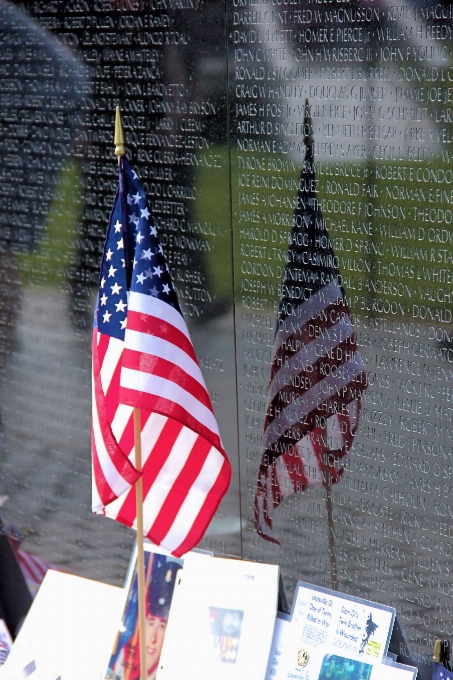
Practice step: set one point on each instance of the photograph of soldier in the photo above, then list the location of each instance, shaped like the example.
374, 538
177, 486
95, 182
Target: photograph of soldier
160, 574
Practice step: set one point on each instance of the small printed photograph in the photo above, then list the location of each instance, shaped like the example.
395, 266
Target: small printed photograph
339, 668
160, 577
226, 627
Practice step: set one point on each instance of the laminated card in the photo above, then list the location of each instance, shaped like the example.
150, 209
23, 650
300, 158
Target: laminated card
68, 632
221, 620
329, 636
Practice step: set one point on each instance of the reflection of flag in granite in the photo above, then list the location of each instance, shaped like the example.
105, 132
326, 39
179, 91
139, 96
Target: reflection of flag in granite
317, 375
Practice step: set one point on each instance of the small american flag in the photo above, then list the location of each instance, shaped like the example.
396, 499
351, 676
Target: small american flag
440, 672
33, 568
317, 375
143, 358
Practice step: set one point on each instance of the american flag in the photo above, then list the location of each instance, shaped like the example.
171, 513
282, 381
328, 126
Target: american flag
33, 568
143, 358
317, 375
440, 672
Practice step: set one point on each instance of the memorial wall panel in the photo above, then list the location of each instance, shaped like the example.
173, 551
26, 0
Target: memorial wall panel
376, 76
223, 105
164, 64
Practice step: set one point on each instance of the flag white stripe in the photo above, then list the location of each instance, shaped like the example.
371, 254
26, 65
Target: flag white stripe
151, 432
282, 475
120, 420
164, 349
110, 362
163, 484
167, 389
97, 505
308, 355
320, 392
153, 306
195, 499
310, 308
111, 475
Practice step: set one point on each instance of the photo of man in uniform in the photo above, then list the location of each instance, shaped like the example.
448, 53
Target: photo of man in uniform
160, 571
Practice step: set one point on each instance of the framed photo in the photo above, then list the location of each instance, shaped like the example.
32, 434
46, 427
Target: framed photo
160, 577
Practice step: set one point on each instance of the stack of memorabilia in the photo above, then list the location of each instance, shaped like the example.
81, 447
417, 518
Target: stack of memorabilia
211, 617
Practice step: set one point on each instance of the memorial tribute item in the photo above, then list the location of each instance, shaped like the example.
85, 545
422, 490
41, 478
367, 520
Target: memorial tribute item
68, 631
315, 390
143, 359
213, 97
329, 635
160, 575
391, 670
158, 461
221, 620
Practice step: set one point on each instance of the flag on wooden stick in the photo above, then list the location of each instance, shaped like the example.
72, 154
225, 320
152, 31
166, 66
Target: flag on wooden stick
143, 358
317, 375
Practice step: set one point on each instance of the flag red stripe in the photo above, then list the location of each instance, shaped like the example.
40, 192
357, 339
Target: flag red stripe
207, 512
159, 455
166, 407
120, 461
180, 488
161, 367
161, 452
105, 492
111, 396
102, 346
160, 328
126, 441
32, 567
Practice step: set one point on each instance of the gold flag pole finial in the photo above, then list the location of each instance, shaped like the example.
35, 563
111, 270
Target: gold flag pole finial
437, 651
119, 138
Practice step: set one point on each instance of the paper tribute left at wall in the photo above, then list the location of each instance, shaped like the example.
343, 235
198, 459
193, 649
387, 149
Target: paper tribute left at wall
221, 620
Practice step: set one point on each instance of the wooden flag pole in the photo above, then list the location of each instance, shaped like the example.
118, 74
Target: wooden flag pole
120, 150
140, 551
329, 508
